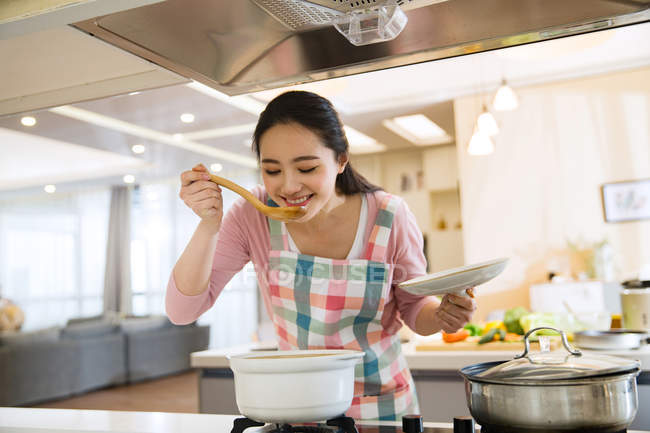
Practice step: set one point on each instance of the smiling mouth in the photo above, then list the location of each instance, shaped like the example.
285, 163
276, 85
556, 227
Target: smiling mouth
300, 201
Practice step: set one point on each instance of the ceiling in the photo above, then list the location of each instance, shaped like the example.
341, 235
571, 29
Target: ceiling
223, 125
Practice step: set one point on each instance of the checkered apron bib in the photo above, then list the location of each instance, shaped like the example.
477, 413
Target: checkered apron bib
321, 303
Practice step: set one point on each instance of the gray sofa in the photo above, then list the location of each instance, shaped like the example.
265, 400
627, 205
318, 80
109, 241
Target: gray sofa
93, 353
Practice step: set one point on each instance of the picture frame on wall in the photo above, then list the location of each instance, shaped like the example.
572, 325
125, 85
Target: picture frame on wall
626, 201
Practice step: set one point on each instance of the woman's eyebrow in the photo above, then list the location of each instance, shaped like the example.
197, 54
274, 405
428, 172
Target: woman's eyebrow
298, 159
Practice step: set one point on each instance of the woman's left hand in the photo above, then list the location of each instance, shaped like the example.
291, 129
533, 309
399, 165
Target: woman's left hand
454, 312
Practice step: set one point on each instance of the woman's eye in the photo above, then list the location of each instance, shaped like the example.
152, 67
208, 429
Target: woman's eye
272, 172
307, 170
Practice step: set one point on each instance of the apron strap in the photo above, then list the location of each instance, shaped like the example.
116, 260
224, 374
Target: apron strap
278, 236
376, 248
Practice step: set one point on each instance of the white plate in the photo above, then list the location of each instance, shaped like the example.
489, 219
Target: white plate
455, 280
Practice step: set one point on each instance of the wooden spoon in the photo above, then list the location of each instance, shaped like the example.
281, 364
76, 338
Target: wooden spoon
277, 213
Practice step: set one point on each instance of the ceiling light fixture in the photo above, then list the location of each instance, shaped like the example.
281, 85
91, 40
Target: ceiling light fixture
175, 140
187, 117
480, 144
216, 167
362, 143
418, 129
128, 178
243, 102
50, 189
28, 121
487, 124
505, 98
138, 148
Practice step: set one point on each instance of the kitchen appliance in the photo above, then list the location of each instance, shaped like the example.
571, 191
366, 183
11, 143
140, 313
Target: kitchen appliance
553, 391
635, 304
294, 386
244, 46
613, 339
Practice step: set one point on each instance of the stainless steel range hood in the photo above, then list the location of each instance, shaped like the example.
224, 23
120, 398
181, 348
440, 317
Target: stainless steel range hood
238, 46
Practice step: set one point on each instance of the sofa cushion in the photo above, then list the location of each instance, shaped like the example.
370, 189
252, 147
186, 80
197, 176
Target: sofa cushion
30, 337
144, 323
89, 329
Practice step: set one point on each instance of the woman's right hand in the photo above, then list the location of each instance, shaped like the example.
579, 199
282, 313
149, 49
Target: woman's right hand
202, 195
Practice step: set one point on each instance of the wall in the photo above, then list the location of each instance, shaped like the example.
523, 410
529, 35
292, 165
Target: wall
430, 191
541, 186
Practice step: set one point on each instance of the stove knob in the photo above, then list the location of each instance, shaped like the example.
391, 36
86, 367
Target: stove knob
463, 424
412, 424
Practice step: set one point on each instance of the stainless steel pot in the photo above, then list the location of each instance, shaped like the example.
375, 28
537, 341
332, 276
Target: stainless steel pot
553, 391
614, 339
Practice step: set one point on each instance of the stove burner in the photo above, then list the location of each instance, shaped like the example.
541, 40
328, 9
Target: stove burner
342, 424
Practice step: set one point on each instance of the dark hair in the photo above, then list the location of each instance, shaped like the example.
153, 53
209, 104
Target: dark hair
319, 116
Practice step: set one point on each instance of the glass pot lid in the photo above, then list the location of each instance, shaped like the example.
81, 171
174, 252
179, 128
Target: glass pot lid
549, 366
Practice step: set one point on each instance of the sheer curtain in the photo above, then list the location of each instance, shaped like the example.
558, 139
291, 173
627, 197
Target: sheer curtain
161, 226
52, 255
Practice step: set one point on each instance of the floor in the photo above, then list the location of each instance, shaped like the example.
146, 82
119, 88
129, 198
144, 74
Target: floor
178, 393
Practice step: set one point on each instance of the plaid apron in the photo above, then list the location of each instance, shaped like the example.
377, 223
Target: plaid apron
321, 303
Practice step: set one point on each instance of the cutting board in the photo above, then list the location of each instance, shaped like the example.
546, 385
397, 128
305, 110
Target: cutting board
472, 344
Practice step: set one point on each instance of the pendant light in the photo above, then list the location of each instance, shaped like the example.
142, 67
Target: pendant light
505, 99
486, 123
480, 143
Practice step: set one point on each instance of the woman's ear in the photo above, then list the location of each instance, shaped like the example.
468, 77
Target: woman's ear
343, 162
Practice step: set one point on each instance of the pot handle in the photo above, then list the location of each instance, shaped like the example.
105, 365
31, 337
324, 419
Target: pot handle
565, 342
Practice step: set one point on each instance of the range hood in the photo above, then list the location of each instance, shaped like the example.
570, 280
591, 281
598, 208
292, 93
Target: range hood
241, 46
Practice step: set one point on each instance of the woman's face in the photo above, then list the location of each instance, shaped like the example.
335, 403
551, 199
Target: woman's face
298, 169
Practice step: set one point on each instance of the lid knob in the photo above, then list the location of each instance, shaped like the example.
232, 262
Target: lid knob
463, 424
412, 424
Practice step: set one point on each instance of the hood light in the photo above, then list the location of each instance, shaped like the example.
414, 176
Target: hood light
370, 26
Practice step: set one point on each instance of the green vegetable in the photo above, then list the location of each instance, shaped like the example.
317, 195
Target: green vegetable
473, 329
489, 336
535, 320
512, 317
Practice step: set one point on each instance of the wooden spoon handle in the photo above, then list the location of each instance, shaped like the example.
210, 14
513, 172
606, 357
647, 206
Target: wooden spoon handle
239, 190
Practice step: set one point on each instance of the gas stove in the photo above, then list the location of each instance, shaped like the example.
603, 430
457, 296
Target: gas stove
343, 424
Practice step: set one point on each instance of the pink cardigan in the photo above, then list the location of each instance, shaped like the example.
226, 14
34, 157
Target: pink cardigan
244, 237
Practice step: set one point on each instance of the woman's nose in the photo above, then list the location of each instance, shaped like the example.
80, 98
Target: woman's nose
290, 185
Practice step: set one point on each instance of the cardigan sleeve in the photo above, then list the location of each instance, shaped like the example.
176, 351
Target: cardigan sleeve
408, 262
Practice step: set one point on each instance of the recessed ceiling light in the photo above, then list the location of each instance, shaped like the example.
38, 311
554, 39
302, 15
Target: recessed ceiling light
187, 117
216, 167
138, 148
418, 129
134, 93
49, 189
128, 178
28, 121
361, 143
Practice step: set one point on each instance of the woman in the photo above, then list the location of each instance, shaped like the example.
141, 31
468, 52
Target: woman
329, 279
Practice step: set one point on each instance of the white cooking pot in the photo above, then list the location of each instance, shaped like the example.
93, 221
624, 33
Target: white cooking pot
296, 385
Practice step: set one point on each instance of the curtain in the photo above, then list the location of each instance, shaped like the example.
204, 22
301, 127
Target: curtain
117, 278
52, 254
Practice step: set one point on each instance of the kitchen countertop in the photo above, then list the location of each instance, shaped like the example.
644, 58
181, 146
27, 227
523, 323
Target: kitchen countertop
425, 360
28, 420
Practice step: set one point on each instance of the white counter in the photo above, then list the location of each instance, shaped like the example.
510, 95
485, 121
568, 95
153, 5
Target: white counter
427, 360
27, 420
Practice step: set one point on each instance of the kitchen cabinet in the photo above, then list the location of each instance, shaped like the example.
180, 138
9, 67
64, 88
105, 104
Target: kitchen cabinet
441, 168
440, 388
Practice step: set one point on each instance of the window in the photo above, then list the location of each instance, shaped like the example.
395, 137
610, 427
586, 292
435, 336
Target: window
52, 255
161, 226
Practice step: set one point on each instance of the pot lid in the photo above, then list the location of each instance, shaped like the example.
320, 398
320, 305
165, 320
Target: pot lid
558, 365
